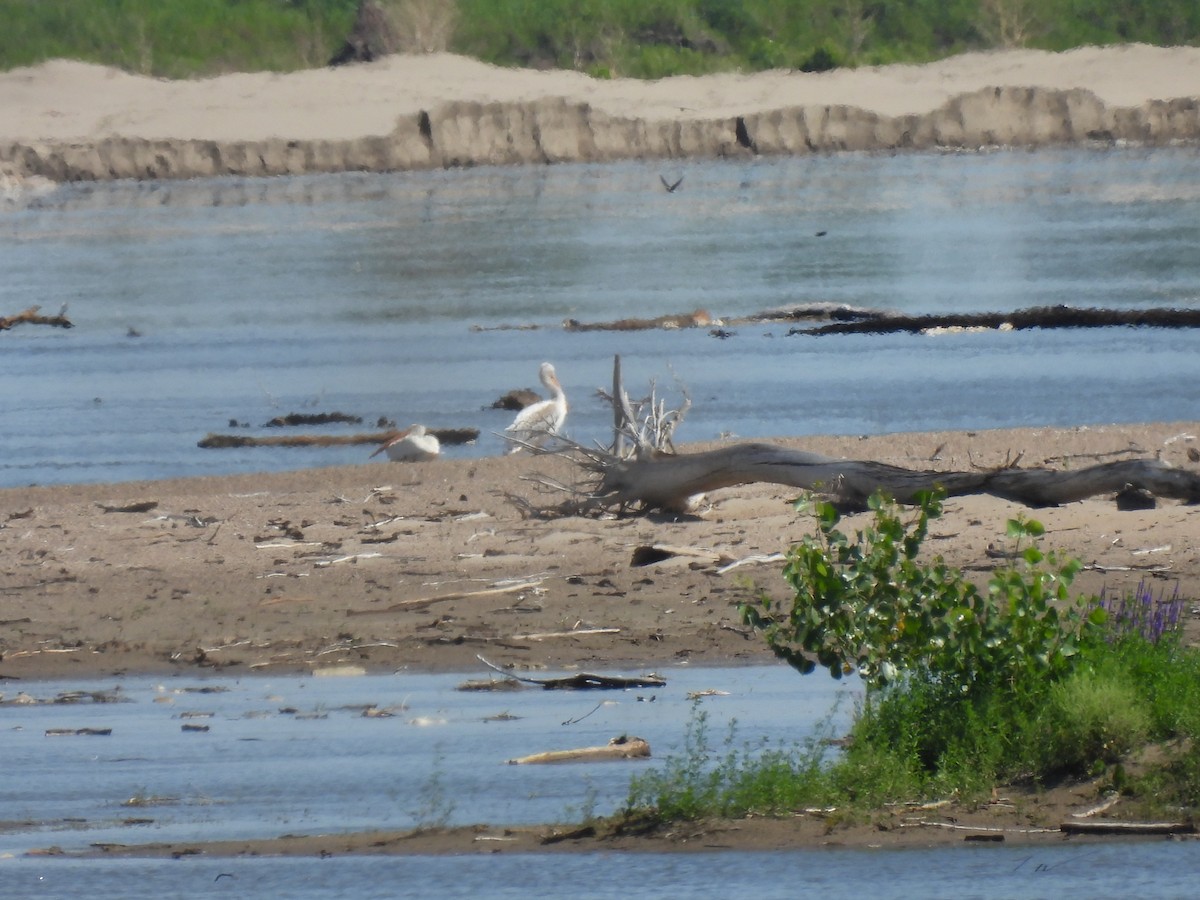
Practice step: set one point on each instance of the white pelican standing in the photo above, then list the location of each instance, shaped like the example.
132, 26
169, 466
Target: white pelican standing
413, 444
537, 422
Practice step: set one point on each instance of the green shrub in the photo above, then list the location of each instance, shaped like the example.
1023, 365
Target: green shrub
869, 605
965, 688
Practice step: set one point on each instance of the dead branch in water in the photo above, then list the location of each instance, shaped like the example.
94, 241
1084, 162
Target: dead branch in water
31, 317
225, 441
583, 681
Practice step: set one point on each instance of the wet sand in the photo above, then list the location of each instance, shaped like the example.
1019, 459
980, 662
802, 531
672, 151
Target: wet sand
423, 566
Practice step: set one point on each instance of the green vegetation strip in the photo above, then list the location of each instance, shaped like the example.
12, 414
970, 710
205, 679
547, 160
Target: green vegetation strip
606, 38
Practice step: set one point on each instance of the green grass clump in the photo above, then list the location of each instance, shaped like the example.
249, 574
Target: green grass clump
703, 780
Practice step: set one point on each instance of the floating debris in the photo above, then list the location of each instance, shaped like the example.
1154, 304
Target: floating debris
622, 747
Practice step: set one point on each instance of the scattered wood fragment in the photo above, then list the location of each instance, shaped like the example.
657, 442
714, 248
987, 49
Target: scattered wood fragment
78, 732
422, 602
698, 318
1109, 826
582, 681
291, 420
575, 632
30, 317
756, 559
351, 558
954, 826
491, 684
649, 554
347, 671
140, 506
1109, 802
622, 747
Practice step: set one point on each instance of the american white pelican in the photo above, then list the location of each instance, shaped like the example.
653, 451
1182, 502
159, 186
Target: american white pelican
535, 423
413, 444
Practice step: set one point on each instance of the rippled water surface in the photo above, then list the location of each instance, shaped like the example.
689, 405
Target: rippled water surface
357, 293
296, 756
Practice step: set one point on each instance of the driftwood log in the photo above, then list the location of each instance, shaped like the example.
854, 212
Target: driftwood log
622, 747
640, 470
667, 481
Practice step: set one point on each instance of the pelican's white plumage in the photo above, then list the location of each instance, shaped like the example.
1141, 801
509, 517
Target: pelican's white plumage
413, 444
537, 422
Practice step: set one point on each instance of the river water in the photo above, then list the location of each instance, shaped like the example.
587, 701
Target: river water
296, 756
204, 302
197, 303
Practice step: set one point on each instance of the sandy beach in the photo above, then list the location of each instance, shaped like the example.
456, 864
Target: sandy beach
425, 566
71, 121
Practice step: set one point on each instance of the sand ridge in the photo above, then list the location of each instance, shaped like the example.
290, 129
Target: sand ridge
68, 120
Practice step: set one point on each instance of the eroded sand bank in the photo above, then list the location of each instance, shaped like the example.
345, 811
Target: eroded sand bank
72, 121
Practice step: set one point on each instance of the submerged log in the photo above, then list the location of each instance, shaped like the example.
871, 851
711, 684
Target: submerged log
224, 441
293, 419
697, 318
583, 681
31, 317
667, 481
1102, 826
1033, 317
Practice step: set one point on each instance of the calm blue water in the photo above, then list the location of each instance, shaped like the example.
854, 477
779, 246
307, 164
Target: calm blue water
1151, 871
323, 767
357, 293
261, 772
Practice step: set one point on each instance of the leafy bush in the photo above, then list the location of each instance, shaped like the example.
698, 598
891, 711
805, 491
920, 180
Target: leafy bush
965, 689
870, 605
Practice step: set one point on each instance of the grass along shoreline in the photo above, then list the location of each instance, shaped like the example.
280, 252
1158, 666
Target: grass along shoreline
630, 38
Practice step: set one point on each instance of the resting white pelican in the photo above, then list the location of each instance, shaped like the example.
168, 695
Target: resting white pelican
413, 444
535, 423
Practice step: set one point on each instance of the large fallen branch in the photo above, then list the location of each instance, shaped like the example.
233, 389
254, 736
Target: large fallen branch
666, 481
640, 470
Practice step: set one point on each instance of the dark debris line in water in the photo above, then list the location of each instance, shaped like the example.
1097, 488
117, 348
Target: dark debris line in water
1034, 317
